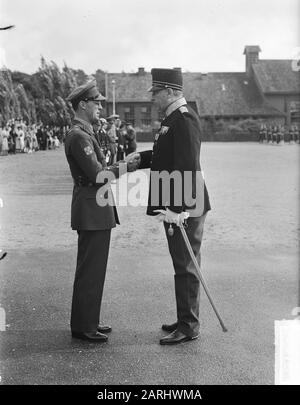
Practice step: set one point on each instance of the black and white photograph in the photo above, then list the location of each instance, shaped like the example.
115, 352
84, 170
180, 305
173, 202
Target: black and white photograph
149, 196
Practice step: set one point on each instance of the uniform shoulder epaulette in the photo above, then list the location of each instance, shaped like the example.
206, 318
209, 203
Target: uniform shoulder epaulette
72, 129
183, 109
76, 130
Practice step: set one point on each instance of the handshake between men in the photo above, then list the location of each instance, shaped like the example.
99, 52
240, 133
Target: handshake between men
177, 146
133, 161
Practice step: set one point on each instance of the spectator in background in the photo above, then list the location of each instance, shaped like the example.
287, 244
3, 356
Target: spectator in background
5, 135
42, 137
49, 134
262, 133
280, 135
12, 139
121, 141
270, 132
56, 143
20, 140
39, 136
112, 135
35, 144
274, 134
296, 133
28, 141
130, 139
103, 139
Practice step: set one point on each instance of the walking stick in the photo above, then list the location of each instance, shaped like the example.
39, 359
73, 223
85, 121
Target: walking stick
189, 247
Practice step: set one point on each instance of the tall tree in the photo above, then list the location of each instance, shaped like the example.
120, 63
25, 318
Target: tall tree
42, 95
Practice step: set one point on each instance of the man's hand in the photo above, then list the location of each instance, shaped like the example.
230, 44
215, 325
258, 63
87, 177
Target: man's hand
132, 155
172, 217
133, 161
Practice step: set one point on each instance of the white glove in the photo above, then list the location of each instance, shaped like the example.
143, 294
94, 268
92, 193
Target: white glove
172, 217
183, 216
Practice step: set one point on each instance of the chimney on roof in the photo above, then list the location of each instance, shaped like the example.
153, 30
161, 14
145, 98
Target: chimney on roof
251, 52
141, 71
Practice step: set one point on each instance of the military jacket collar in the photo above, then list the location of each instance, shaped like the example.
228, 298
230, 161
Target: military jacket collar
175, 105
84, 125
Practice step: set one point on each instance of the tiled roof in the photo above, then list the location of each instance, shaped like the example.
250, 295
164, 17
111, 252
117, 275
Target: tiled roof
130, 87
228, 94
214, 93
277, 76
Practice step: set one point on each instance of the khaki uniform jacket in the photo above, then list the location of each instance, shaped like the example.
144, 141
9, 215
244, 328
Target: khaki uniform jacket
86, 161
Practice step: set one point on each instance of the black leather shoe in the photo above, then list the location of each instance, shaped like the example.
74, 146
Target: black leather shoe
103, 328
169, 328
95, 337
175, 338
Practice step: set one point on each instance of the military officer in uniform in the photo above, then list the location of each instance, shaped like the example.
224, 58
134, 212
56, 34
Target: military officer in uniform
177, 149
92, 221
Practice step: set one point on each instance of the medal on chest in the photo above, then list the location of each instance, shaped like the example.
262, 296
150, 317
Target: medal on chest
163, 130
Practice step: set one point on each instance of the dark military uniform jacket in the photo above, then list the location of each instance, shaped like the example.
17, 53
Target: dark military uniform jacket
177, 149
131, 140
86, 160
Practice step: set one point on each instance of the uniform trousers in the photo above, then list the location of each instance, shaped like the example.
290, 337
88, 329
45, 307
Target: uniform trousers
92, 256
187, 280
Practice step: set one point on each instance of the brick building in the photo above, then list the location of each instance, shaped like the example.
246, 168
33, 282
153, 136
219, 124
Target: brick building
268, 90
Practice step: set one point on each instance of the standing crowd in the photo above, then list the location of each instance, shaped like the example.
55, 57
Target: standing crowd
16, 136
116, 138
278, 134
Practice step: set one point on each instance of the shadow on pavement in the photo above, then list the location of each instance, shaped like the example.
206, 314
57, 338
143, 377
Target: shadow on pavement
23, 343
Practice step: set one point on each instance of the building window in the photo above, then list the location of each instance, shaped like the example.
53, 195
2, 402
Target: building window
129, 114
146, 116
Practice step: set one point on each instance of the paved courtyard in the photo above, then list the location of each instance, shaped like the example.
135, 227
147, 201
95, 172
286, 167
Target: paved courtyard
249, 257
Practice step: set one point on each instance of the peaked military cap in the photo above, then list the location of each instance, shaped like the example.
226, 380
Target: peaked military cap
88, 91
166, 78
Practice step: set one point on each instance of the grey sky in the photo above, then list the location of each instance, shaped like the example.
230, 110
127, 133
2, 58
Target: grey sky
122, 35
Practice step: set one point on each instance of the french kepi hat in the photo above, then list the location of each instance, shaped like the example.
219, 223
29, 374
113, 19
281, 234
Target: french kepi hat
166, 78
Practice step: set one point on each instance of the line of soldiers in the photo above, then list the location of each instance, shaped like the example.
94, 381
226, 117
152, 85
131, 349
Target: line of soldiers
116, 138
278, 134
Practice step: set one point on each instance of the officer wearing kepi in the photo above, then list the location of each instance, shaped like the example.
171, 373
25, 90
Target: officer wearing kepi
92, 221
176, 151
